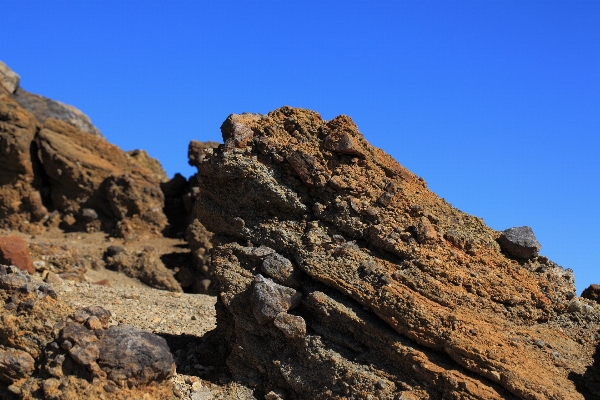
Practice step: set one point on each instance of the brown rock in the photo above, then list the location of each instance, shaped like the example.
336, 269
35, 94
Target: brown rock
134, 356
391, 310
592, 292
145, 266
14, 251
198, 150
15, 365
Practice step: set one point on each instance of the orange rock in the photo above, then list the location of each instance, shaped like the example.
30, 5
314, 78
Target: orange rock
15, 251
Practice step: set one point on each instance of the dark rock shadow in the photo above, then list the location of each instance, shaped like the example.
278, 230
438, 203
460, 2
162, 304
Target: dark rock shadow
202, 356
588, 384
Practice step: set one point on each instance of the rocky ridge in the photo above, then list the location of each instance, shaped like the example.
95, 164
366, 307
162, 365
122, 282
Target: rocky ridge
338, 274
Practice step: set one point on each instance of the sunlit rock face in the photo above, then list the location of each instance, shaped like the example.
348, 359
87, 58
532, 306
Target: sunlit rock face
341, 275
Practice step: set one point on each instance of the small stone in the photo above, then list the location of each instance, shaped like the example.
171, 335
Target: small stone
519, 242
39, 265
51, 277
539, 343
89, 214
93, 323
269, 299
127, 352
278, 267
292, 326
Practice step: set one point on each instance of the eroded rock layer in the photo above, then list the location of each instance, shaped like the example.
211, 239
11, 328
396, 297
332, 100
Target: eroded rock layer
340, 275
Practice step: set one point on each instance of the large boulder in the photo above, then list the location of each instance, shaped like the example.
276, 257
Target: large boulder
340, 275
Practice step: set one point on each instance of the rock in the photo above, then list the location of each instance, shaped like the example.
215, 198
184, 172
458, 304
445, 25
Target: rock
198, 150
292, 326
269, 299
57, 169
519, 242
145, 266
9, 79
402, 296
133, 355
15, 365
44, 108
141, 158
14, 251
592, 292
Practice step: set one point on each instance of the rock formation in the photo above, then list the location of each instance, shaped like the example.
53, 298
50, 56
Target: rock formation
340, 275
59, 172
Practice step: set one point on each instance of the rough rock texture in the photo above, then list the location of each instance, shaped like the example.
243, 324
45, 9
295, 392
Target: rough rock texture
14, 251
145, 266
49, 350
197, 151
402, 295
9, 80
56, 174
519, 242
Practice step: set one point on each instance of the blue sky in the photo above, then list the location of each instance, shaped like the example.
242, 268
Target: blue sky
495, 103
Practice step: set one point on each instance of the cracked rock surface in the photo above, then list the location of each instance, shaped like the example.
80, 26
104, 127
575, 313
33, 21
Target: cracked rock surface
399, 295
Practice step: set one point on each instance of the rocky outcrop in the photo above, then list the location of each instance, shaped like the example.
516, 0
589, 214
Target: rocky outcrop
340, 275
53, 173
145, 266
52, 351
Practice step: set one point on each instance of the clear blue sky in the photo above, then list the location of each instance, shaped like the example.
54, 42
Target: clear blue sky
495, 103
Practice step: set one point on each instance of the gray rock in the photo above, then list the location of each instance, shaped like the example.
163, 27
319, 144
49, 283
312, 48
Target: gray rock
133, 355
269, 299
519, 242
43, 107
15, 365
89, 214
8, 78
279, 268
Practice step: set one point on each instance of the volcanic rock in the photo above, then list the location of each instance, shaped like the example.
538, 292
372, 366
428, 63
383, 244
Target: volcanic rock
9, 80
519, 242
592, 292
15, 365
14, 251
73, 353
400, 294
198, 150
145, 266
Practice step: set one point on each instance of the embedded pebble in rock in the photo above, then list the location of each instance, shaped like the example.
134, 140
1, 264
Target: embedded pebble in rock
519, 242
279, 268
269, 299
292, 326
